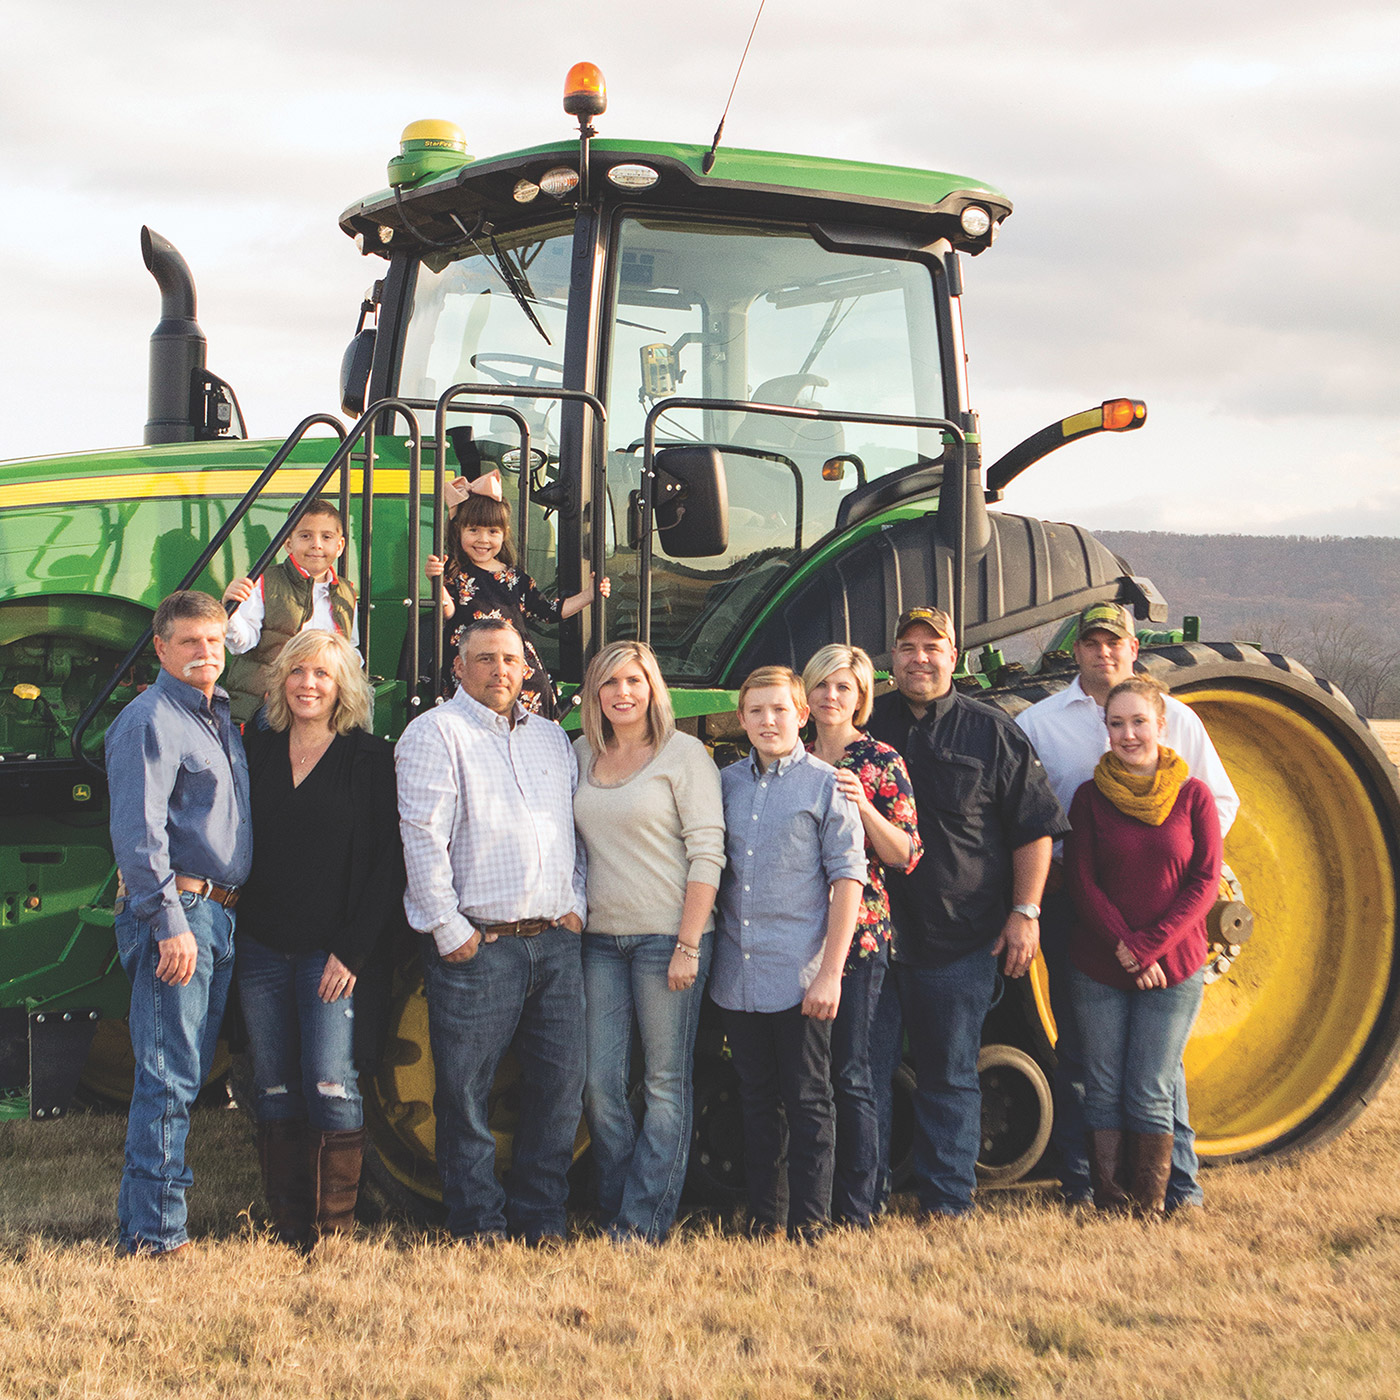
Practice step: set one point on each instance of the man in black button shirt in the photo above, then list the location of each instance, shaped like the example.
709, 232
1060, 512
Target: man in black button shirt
987, 817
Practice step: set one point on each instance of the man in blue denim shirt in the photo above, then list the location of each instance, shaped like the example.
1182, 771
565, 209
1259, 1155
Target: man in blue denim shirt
183, 844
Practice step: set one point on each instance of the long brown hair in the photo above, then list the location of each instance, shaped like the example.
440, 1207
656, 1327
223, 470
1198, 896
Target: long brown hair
485, 512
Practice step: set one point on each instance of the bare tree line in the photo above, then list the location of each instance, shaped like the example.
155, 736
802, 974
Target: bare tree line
1361, 659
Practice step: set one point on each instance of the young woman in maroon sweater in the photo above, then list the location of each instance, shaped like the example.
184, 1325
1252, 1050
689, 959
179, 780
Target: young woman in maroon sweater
1143, 867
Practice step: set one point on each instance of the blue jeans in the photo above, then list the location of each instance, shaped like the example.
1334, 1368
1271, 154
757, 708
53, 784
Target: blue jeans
886, 1054
302, 1047
854, 1179
1056, 924
640, 1173
524, 994
174, 1031
1132, 1043
944, 1008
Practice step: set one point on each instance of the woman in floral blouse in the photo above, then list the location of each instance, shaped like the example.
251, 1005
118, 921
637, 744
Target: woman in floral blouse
840, 683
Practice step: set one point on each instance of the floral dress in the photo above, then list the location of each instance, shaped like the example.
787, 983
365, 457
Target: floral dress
887, 787
512, 596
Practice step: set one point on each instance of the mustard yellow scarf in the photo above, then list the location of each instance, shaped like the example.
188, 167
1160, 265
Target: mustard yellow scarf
1148, 797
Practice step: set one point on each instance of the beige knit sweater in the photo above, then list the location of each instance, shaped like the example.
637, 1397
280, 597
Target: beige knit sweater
649, 836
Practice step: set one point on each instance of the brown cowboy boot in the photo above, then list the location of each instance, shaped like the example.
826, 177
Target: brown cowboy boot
1106, 1169
286, 1185
335, 1159
1152, 1167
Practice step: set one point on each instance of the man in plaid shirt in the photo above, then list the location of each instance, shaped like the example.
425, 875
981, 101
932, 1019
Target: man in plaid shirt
496, 886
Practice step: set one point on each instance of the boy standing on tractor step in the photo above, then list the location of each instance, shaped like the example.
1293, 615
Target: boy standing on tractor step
183, 843
1069, 734
301, 591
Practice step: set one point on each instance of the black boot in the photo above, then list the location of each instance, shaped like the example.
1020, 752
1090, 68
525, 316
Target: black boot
286, 1184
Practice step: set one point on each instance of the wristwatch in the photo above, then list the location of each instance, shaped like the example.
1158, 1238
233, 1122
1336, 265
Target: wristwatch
1031, 911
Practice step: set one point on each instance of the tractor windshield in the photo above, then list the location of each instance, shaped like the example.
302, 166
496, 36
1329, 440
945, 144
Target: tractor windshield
764, 315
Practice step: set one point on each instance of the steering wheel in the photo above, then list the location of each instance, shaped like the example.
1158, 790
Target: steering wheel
483, 362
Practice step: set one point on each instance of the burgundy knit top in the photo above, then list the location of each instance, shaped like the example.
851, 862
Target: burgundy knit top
1150, 886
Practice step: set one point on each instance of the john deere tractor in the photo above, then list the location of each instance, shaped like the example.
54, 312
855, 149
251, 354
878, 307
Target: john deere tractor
735, 382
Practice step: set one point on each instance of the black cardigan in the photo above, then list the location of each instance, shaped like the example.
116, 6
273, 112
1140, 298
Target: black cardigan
374, 930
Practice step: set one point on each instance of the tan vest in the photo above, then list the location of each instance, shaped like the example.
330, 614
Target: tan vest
288, 601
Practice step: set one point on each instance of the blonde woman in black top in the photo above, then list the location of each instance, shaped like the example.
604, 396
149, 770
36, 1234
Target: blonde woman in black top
324, 895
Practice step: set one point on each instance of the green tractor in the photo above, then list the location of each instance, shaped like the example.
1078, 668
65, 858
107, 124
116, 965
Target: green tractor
734, 382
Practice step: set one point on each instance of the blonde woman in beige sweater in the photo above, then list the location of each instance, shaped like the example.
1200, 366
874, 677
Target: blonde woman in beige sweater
649, 812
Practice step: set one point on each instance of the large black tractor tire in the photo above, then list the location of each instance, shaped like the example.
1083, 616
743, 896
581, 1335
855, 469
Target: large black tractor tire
1301, 1031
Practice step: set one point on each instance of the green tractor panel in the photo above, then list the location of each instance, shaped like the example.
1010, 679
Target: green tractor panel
736, 383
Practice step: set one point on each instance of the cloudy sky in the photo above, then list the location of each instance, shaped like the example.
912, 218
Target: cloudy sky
1207, 205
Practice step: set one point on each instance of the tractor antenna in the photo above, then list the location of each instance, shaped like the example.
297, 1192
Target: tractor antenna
708, 164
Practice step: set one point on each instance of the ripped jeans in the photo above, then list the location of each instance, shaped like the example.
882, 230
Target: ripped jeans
302, 1047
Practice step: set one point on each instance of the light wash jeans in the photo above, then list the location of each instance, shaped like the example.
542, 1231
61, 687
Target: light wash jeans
302, 1047
641, 1170
1132, 1043
174, 1031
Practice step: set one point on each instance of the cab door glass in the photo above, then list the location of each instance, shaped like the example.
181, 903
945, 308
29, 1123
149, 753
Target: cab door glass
763, 315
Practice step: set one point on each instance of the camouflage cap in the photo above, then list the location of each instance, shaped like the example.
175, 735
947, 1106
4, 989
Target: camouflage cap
1107, 617
935, 618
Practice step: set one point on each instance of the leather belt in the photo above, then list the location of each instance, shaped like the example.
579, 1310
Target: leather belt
517, 928
220, 894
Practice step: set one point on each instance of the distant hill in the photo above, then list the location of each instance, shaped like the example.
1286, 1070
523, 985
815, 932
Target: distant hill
1332, 602
1234, 581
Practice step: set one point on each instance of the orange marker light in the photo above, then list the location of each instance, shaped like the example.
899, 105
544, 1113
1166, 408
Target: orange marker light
1122, 414
585, 92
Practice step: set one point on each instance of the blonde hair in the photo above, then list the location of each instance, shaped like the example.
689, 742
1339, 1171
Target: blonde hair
836, 657
774, 675
354, 704
661, 719
1148, 687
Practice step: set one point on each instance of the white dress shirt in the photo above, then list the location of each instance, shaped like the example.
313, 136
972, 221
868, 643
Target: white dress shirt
1070, 736
244, 629
486, 808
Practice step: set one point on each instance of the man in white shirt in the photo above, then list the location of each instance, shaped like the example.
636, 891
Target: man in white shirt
1070, 736
496, 884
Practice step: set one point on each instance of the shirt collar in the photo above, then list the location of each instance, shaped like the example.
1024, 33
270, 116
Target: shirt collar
779, 766
1075, 694
330, 579
487, 718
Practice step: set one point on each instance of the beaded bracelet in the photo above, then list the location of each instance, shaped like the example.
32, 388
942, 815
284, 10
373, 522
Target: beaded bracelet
692, 953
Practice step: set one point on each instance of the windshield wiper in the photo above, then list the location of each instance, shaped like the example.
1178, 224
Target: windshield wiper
513, 279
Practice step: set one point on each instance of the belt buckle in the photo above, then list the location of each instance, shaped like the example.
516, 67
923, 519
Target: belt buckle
206, 891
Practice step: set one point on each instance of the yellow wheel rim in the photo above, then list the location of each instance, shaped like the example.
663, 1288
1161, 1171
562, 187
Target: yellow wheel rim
399, 1105
1280, 1031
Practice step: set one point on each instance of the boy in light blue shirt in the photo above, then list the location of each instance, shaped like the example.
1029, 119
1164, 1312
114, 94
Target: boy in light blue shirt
786, 914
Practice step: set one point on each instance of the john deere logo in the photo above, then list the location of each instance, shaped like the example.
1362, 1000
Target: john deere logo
81, 792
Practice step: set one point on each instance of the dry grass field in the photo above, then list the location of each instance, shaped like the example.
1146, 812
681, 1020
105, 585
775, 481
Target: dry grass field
1287, 1285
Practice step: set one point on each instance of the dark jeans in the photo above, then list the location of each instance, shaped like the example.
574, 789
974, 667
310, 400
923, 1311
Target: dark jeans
944, 1008
886, 1054
853, 1181
302, 1047
783, 1060
524, 994
1056, 923
174, 1031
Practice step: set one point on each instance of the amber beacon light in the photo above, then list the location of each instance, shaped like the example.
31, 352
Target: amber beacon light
585, 92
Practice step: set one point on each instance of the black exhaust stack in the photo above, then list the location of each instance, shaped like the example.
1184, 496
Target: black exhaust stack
177, 347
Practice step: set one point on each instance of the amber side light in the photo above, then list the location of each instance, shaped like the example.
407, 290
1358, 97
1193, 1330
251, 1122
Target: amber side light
1121, 414
585, 92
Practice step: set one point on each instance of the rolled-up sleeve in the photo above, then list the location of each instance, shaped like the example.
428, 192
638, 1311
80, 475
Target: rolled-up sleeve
843, 838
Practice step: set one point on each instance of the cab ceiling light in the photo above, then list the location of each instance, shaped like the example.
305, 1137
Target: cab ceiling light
975, 221
559, 181
631, 176
525, 191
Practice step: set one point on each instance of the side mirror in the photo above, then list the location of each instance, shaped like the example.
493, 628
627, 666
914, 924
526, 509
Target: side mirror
354, 372
692, 502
